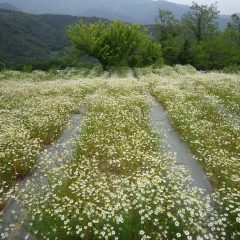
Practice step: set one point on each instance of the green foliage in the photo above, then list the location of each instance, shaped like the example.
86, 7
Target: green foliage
223, 51
200, 20
41, 41
185, 55
150, 52
2, 66
234, 28
168, 28
232, 69
67, 61
196, 40
171, 51
185, 43
115, 43
199, 55
167, 25
216, 52
28, 38
27, 68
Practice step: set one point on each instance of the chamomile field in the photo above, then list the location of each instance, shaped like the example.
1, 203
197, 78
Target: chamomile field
80, 157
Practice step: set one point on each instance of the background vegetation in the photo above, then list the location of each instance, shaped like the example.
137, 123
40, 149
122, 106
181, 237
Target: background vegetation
41, 42
197, 40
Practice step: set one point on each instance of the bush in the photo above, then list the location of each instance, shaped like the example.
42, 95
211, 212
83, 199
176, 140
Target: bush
232, 69
27, 68
53, 70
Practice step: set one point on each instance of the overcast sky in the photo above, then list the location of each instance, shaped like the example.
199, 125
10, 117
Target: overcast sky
225, 6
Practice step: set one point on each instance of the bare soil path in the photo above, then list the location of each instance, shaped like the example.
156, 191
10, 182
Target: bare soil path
173, 143
13, 214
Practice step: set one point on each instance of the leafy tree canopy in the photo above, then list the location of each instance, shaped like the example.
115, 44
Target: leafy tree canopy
200, 20
234, 28
115, 43
166, 25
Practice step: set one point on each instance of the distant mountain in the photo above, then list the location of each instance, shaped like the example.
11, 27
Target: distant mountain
142, 11
7, 6
107, 13
25, 37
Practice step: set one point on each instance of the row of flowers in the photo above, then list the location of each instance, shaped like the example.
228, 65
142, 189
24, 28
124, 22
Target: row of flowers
32, 115
210, 132
119, 185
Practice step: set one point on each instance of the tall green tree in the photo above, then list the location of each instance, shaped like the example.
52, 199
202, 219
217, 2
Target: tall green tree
185, 55
234, 28
199, 55
171, 51
114, 43
149, 52
201, 20
166, 24
167, 31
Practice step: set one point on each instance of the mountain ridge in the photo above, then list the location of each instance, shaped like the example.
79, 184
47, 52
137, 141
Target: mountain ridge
25, 37
141, 11
8, 6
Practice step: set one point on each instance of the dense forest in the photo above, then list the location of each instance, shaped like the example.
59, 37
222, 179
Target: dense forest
41, 41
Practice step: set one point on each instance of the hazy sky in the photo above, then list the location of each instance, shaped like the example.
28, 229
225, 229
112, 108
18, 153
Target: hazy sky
225, 6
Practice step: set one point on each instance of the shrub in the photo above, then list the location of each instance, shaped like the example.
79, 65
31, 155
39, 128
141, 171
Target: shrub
232, 69
27, 68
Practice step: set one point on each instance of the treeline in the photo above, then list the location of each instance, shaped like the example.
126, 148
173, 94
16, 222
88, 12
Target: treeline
197, 40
